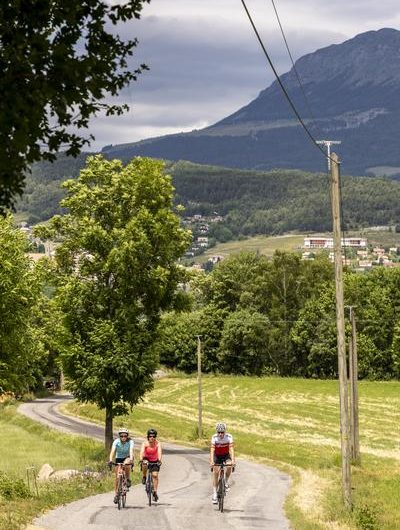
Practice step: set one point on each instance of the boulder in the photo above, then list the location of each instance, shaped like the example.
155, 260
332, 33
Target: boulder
45, 471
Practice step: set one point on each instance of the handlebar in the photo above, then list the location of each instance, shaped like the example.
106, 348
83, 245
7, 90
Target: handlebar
223, 465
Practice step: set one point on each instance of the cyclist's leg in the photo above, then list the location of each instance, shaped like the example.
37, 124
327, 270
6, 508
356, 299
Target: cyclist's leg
144, 472
116, 468
228, 461
216, 470
155, 480
127, 471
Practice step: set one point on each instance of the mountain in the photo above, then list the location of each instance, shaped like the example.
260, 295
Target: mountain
352, 92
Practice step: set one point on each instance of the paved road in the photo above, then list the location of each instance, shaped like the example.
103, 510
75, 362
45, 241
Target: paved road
254, 501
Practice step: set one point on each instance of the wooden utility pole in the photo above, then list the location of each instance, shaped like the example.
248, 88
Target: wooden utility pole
353, 372
341, 343
200, 404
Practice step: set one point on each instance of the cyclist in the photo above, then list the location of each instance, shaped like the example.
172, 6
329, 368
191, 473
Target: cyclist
150, 456
221, 451
122, 450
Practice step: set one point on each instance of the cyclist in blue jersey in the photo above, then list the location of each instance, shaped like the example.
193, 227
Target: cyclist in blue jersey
122, 450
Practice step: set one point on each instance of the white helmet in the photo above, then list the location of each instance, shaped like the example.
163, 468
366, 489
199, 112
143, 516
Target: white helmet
122, 430
220, 427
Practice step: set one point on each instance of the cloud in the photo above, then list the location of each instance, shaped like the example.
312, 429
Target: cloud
205, 62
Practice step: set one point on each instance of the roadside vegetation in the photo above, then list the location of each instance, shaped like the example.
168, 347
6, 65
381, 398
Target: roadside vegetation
25, 447
292, 424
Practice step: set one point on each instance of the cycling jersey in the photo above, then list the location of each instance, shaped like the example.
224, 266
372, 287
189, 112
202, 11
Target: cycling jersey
151, 453
122, 450
221, 444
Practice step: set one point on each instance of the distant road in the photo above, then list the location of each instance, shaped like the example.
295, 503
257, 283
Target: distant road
254, 501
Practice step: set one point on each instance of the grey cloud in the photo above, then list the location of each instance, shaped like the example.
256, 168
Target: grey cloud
205, 62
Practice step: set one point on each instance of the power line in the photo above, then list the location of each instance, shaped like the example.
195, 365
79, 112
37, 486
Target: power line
292, 105
294, 67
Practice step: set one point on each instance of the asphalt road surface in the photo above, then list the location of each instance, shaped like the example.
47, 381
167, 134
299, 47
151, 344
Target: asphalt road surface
255, 499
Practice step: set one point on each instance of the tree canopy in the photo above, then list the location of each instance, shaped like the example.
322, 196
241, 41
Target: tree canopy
21, 350
117, 261
58, 60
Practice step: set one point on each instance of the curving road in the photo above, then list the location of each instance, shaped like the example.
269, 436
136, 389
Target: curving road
254, 501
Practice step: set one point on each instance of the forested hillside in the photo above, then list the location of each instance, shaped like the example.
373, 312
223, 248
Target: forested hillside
252, 202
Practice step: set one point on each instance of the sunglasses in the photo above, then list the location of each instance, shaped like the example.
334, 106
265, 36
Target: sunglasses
151, 436
221, 432
123, 436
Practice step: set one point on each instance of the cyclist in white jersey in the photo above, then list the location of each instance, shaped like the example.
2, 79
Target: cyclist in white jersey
221, 451
122, 449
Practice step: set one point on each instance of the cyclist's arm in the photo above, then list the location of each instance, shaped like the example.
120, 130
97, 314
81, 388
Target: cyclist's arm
159, 452
212, 452
232, 453
112, 452
141, 457
131, 449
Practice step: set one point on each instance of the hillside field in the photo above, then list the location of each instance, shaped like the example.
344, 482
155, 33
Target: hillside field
292, 424
291, 243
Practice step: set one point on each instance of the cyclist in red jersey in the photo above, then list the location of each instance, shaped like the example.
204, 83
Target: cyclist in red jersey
221, 451
150, 456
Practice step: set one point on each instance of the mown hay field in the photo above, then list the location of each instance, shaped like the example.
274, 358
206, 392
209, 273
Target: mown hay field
292, 424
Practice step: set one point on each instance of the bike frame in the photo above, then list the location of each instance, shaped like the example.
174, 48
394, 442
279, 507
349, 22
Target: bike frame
149, 480
221, 484
122, 485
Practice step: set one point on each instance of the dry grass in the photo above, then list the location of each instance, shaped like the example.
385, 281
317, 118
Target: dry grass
292, 424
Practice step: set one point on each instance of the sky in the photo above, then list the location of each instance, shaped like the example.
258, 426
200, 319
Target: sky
205, 62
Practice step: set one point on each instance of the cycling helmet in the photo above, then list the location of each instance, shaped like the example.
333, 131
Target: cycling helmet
152, 432
220, 427
122, 430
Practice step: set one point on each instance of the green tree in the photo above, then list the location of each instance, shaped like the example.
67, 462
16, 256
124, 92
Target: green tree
58, 60
176, 343
244, 343
117, 259
21, 351
314, 337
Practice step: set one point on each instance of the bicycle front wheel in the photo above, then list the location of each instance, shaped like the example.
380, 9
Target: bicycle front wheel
221, 494
149, 487
124, 500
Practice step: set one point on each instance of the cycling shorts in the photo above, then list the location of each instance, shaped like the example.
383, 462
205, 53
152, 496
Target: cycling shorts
221, 459
120, 460
152, 466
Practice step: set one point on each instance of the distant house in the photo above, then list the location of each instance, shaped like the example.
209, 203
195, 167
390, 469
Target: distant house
202, 241
378, 251
215, 259
327, 242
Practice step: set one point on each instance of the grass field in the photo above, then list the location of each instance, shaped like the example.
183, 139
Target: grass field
262, 244
290, 243
25, 443
292, 424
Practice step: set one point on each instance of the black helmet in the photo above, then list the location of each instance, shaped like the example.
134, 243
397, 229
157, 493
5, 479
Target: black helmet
152, 432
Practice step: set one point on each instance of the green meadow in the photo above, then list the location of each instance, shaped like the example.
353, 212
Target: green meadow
292, 424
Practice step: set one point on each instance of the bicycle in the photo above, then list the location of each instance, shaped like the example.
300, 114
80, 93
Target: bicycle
122, 484
149, 478
221, 485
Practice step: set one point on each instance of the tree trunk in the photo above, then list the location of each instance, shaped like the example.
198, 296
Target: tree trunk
108, 428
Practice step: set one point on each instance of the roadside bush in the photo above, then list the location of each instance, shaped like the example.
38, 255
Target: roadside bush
12, 487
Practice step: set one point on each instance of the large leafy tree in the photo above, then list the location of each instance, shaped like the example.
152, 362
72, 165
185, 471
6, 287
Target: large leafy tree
21, 350
58, 59
120, 241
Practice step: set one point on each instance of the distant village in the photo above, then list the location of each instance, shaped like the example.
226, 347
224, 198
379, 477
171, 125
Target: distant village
357, 253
